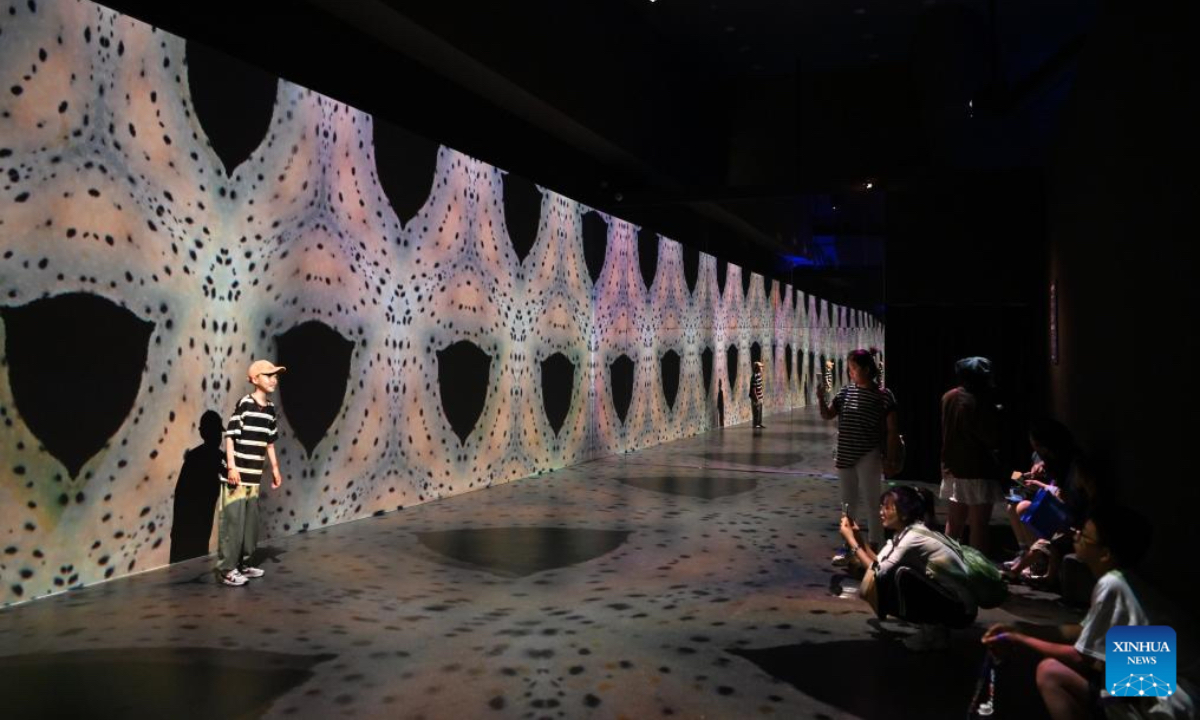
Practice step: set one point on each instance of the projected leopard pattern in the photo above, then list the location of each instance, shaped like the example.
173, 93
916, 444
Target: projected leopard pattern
112, 190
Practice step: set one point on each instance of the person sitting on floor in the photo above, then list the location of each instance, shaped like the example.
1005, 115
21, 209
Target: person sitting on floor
915, 576
1049, 563
1054, 468
1070, 673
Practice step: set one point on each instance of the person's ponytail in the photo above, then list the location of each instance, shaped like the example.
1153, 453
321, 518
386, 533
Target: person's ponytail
929, 505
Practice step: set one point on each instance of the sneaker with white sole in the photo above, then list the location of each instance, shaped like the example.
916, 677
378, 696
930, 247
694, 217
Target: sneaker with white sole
842, 559
251, 572
233, 578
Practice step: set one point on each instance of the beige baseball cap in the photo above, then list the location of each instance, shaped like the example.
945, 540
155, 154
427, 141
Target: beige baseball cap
260, 367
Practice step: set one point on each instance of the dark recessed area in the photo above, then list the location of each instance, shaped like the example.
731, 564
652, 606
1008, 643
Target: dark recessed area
75, 366
691, 267
313, 389
522, 213
406, 164
817, 669
141, 682
521, 551
621, 374
233, 100
812, 372
647, 243
669, 367
464, 374
595, 243
731, 366
706, 369
705, 487
558, 386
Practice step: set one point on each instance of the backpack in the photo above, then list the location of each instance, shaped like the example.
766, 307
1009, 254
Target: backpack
983, 579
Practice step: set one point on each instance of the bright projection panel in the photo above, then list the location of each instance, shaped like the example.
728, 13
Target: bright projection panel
143, 264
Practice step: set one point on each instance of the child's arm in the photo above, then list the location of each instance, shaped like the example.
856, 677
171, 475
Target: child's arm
1048, 633
1051, 641
235, 477
277, 480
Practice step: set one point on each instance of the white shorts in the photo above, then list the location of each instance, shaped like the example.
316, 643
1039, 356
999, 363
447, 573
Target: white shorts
968, 491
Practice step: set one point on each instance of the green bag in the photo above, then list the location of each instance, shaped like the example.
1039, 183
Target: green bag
983, 578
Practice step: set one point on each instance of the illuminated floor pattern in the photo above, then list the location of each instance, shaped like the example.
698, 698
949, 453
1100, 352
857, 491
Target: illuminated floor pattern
681, 581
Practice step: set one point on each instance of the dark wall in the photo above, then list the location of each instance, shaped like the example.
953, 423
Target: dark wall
1127, 308
965, 277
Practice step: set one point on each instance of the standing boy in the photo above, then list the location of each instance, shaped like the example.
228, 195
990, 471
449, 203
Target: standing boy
251, 437
756, 393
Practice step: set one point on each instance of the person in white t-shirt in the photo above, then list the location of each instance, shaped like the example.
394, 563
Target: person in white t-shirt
1070, 674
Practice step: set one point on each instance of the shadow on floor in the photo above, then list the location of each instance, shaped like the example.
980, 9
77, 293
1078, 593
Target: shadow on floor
178, 683
765, 459
698, 486
877, 679
521, 551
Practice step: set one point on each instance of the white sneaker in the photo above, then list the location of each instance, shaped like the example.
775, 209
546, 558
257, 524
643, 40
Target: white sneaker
842, 559
233, 578
251, 572
928, 638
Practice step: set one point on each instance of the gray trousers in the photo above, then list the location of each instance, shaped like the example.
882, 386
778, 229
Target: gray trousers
237, 534
864, 482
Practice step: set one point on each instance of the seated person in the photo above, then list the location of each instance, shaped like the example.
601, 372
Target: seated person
1053, 467
1048, 561
914, 576
1078, 489
1070, 673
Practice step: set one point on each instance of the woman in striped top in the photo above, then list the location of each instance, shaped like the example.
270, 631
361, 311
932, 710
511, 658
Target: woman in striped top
866, 416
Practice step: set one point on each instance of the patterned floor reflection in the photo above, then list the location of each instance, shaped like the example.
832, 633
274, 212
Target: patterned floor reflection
705, 487
660, 583
517, 551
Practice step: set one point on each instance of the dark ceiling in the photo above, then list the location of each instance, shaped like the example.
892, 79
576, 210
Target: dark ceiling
748, 128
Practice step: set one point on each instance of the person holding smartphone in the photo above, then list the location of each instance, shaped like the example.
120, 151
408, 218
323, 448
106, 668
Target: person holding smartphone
863, 411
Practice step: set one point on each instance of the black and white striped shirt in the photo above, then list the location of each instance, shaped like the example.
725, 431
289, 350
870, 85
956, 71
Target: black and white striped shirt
252, 427
756, 387
862, 416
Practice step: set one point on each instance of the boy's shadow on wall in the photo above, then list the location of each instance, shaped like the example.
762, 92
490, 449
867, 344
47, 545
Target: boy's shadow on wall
197, 491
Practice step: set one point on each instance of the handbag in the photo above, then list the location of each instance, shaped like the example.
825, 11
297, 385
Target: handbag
1046, 515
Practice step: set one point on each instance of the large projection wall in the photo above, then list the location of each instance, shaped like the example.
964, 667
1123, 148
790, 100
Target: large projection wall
144, 262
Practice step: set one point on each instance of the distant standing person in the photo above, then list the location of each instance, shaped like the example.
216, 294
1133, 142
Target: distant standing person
251, 434
971, 472
756, 393
866, 415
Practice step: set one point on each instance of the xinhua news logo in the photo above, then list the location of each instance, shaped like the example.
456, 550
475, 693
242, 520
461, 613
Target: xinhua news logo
1139, 661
